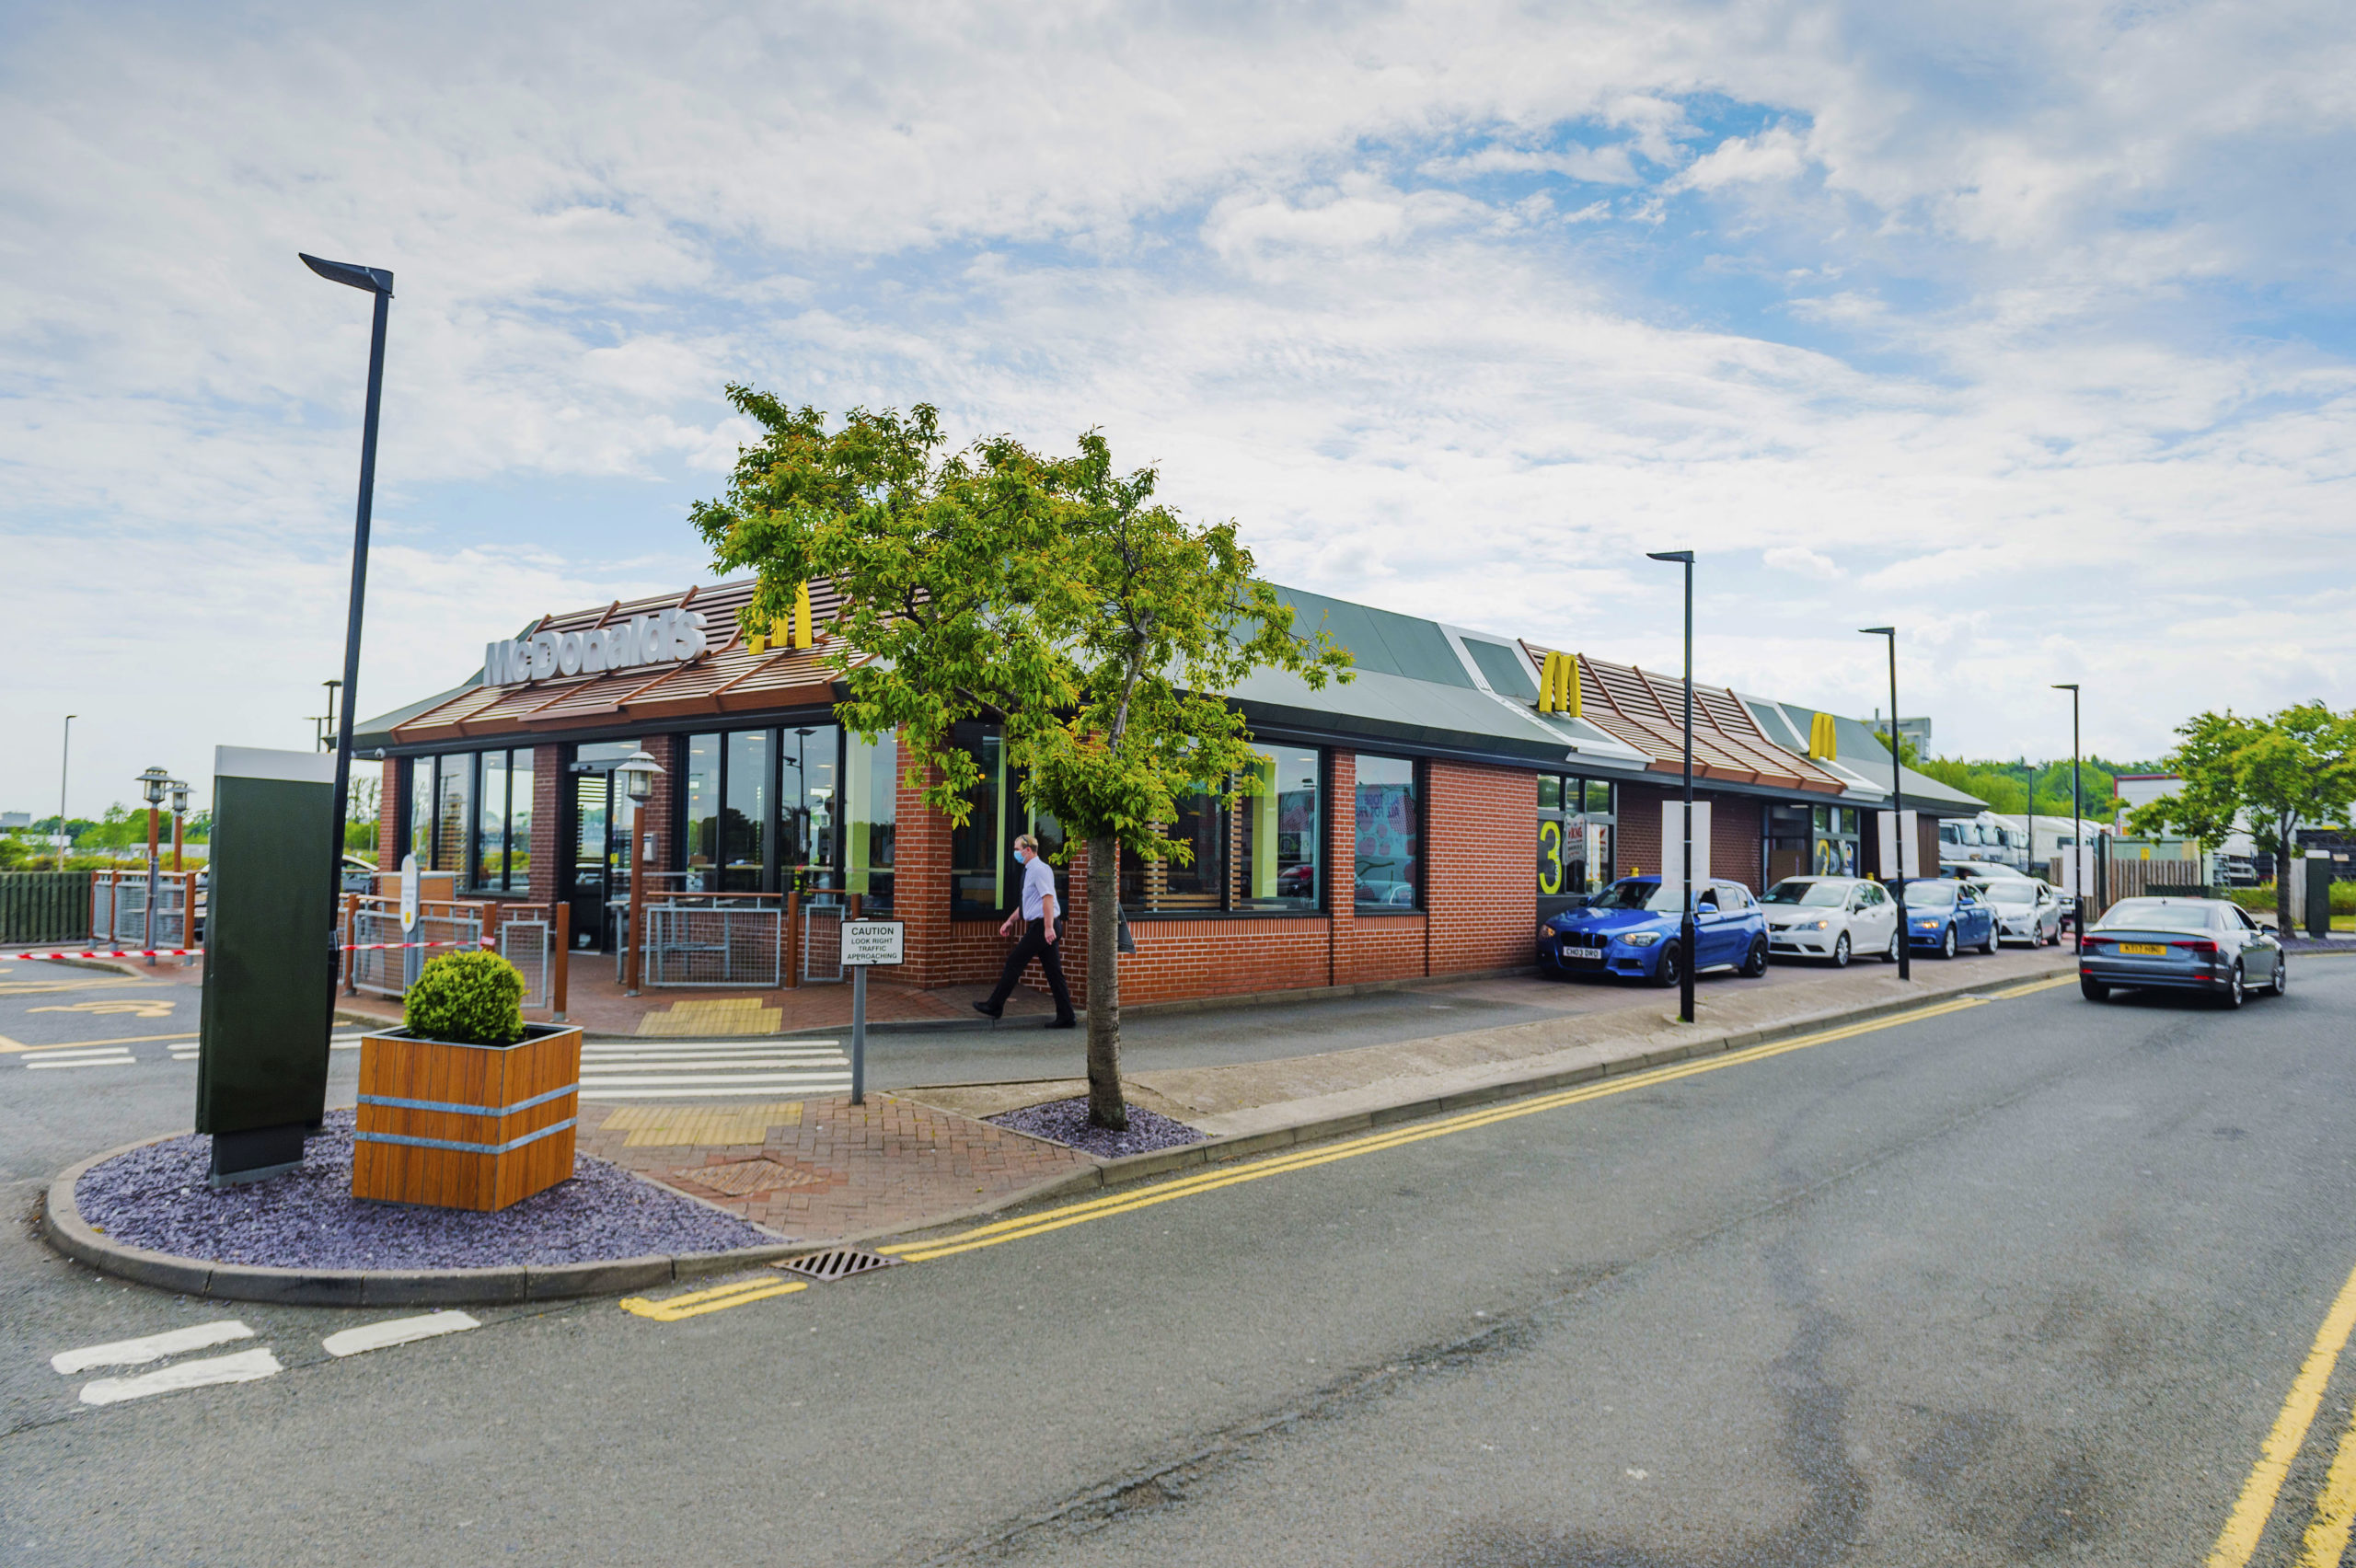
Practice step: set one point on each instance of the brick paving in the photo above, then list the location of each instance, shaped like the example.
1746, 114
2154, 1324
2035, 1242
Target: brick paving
822, 1170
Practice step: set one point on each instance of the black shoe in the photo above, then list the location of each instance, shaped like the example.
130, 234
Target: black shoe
987, 1011
1063, 1023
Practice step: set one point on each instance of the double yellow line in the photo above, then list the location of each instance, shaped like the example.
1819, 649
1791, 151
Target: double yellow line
720, 1300
2335, 1510
1326, 1153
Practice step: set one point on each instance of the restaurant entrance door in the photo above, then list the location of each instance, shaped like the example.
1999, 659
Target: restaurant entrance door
603, 814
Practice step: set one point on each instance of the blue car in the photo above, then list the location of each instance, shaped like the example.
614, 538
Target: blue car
1631, 929
1943, 915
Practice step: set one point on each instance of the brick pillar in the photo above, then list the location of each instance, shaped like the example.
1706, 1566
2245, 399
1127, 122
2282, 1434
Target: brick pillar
1074, 938
546, 873
1340, 866
392, 810
656, 815
920, 882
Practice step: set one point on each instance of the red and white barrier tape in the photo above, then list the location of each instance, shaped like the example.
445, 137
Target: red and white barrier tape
199, 952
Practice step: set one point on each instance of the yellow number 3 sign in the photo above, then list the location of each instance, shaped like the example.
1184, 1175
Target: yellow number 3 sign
154, 1007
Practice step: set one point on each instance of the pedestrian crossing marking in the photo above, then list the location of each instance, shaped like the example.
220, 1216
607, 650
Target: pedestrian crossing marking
149, 1347
713, 1069
657, 1126
245, 1366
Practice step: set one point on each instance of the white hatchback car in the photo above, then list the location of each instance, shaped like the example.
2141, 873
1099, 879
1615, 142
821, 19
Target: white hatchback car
1831, 919
2027, 911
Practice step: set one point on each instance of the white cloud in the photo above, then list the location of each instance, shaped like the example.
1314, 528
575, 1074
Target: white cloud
1773, 154
1806, 562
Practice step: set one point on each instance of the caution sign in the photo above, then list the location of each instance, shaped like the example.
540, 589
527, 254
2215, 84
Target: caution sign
867, 942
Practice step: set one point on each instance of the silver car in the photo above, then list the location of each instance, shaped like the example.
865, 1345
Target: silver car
2184, 944
2027, 911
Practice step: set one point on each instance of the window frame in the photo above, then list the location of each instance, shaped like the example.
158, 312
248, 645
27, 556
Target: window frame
1419, 784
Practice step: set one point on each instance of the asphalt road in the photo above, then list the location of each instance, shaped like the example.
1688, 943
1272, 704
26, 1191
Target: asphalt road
2026, 1281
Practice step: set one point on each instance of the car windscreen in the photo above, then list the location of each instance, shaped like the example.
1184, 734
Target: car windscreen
2011, 893
1931, 894
2143, 915
1653, 896
1814, 892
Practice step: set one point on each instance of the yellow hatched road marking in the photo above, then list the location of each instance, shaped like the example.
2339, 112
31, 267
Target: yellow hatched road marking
1278, 1165
8, 1046
2256, 1506
719, 1298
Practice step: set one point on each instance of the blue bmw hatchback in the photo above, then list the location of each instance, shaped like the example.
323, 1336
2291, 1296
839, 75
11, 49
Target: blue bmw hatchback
1943, 914
1631, 929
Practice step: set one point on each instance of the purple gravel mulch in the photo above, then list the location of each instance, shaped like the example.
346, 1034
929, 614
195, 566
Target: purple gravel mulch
1066, 1122
157, 1197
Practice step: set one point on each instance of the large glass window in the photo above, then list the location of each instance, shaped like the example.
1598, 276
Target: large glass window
1389, 834
490, 824
871, 814
1278, 829
470, 814
451, 812
806, 793
1201, 824
745, 813
421, 811
1575, 823
977, 848
700, 792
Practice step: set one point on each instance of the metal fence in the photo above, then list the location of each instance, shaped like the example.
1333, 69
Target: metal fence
822, 942
388, 970
529, 944
715, 943
44, 906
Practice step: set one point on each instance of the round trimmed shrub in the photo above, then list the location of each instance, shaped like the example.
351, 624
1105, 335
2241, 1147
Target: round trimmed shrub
466, 998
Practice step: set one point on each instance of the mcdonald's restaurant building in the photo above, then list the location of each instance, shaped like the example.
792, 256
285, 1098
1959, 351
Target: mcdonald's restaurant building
1417, 822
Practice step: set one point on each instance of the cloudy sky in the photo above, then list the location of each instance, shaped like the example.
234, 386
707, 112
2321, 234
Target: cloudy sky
2027, 327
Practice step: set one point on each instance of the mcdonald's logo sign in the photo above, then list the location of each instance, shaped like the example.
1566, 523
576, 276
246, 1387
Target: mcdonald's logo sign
797, 629
1824, 739
1558, 684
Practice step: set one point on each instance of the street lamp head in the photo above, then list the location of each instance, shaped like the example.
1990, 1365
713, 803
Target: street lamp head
179, 796
1685, 556
2059, 685
1889, 631
371, 280
153, 783
639, 775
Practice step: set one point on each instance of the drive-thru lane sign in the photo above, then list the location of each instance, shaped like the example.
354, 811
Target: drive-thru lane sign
865, 943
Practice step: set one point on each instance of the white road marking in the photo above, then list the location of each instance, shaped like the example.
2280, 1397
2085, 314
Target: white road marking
154, 1347
246, 1367
116, 1057
395, 1331
711, 1069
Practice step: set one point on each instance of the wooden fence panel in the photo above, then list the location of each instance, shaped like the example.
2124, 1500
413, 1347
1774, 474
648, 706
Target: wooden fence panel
44, 906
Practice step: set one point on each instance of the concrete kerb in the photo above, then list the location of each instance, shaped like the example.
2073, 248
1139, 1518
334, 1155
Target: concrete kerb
64, 1226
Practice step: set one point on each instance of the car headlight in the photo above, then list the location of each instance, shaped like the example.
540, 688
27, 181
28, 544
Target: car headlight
1642, 939
1545, 932
1816, 926
1928, 925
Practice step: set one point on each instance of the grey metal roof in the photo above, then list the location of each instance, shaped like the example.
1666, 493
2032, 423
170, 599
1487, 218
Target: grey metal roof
1860, 758
374, 734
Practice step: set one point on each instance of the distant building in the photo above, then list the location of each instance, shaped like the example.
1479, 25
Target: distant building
14, 821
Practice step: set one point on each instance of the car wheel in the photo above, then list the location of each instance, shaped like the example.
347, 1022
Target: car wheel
1889, 954
1948, 944
1989, 945
1840, 951
2093, 990
2233, 995
1666, 973
1755, 964
2280, 983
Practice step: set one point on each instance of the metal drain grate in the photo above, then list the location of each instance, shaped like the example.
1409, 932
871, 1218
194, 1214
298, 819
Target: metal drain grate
837, 1263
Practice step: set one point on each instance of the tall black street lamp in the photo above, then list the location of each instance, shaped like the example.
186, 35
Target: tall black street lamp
1896, 873
2077, 829
1685, 931
379, 283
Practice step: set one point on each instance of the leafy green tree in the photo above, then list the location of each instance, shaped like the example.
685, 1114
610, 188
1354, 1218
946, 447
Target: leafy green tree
1051, 595
2273, 773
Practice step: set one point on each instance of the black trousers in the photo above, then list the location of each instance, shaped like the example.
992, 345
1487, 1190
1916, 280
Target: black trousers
1035, 944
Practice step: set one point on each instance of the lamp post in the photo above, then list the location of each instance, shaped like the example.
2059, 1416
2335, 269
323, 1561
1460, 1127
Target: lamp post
179, 818
637, 775
2077, 828
65, 753
151, 784
1685, 931
1896, 873
376, 281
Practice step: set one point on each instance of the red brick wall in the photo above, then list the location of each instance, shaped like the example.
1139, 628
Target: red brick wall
549, 784
1481, 833
1638, 852
392, 810
1737, 832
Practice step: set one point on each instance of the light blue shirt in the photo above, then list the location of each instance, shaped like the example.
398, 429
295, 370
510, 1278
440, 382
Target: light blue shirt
1038, 884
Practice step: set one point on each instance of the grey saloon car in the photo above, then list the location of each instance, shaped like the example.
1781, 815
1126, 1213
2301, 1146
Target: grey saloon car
2186, 944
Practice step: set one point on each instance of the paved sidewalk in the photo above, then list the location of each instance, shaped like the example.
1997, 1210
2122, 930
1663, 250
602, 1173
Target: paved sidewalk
824, 1170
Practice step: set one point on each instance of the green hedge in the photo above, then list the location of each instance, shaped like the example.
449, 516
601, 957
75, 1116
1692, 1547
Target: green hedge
2261, 897
466, 998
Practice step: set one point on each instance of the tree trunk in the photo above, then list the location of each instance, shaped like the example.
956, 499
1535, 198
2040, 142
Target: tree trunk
1106, 1108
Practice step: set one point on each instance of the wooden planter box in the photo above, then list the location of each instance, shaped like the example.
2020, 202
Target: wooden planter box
466, 1126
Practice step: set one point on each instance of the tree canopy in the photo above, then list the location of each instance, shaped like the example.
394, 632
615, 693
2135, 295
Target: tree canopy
1049, 594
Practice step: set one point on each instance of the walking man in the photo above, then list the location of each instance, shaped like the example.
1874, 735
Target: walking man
1037, 918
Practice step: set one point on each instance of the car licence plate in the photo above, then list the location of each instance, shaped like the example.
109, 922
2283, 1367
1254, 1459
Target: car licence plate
1570, 952
2146, 949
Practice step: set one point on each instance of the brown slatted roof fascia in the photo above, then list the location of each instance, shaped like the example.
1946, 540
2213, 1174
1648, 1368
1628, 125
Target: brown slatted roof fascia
644, 687
607, 615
